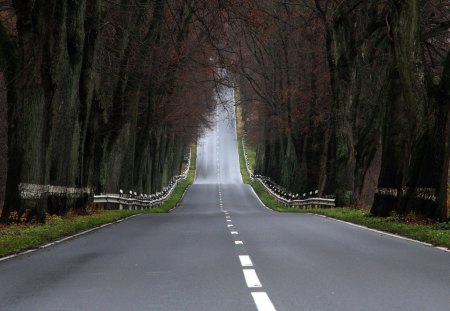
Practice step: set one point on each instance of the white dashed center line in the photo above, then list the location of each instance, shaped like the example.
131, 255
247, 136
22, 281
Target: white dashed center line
245, 261
251, 278
262, 301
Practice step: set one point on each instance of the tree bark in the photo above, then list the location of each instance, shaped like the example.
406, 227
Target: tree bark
405, 124
3, 138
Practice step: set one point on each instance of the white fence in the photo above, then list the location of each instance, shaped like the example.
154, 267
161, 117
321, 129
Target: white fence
132, 200
286, 198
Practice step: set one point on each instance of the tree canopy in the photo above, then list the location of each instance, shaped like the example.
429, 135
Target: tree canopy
347, 97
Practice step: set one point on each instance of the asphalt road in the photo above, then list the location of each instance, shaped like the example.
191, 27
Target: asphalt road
223, 250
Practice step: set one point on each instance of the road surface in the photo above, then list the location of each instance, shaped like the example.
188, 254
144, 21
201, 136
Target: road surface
223, 250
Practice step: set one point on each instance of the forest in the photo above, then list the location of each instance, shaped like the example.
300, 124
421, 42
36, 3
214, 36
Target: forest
347, 97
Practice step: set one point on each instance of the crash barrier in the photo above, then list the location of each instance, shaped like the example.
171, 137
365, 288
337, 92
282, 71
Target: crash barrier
135, 201
53, 199
306, 200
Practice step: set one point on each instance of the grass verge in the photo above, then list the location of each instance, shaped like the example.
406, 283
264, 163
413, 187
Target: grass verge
181, 188
436, 234
17, 238
263, 195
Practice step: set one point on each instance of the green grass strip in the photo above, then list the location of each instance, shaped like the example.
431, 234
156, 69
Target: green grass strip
181, 188
438, 234
262, 193
17, 238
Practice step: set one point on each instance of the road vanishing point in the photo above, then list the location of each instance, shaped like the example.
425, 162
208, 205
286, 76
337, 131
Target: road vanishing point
222, 249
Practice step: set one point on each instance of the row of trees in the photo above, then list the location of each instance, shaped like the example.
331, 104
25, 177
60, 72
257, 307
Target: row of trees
105, 94
347, 97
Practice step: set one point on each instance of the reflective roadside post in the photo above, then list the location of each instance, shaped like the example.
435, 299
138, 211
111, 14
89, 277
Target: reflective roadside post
131, 195
121, 196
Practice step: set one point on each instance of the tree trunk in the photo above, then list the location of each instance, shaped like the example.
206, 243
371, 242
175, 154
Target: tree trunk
45, 141
342, 110
405, 119
441, 138
3, 138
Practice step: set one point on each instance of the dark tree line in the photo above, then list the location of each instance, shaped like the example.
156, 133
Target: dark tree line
96, 90
347, 97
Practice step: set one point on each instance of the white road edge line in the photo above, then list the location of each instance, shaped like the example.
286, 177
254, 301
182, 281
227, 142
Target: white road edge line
383, 233
262, 301
245, 261
251, 278
260, 200
364, 227
65, 239
196, 162
235, 134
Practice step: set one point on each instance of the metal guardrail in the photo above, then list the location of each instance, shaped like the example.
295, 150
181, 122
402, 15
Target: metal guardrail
292, 200
288, 199
134, 201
